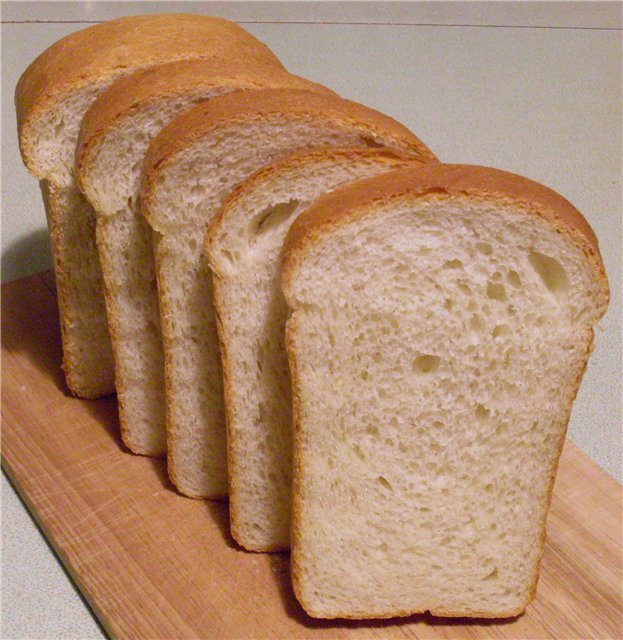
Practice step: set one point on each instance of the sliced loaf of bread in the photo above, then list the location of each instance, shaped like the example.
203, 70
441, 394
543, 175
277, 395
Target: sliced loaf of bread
189, 168
441, 322
51, 97
244, 243
114, 135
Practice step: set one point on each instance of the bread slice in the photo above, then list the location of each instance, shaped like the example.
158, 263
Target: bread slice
114, 135
51, 97
189, 168
441, 322
251, 312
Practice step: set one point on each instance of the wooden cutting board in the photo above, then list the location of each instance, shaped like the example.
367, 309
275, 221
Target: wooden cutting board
153, 564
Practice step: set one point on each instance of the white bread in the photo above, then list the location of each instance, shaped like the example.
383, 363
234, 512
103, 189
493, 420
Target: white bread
250, 228
51, 97
441, 322
189, 168
114, 135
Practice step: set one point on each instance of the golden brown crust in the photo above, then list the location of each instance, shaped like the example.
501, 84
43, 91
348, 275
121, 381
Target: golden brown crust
148, 86
263, 177
104, 51
442, 180
260, 105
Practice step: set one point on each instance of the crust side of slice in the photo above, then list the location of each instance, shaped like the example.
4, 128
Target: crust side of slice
136, 91
260, 105
101, 52
447, 180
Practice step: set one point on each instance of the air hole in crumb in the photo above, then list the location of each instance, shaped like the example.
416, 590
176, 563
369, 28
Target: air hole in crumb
501, 330
425, 363
476, 323
385, 483
492, 575
482, 413
196, 190
372, 431
383, 547
496, 291
463, 288
550, 271
273, 216
488, 487
484, 247
513, 278
358, 452
448, 304
228, 256
496, 276
452, 264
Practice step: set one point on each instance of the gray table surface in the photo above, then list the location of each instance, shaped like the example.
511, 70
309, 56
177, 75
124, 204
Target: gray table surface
532, 88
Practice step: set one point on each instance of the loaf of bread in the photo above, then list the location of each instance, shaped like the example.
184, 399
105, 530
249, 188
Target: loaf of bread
189, 168
51, 97
114, 136
441, 321
244, 244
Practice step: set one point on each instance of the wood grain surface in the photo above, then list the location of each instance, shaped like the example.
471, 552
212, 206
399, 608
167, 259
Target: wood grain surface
153, 564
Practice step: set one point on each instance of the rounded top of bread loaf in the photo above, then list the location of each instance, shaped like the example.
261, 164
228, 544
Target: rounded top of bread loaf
146, 87
308, 161
97, 55
265, 104
435, 180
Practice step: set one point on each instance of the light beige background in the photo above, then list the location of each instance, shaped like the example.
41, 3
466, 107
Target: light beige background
534, 88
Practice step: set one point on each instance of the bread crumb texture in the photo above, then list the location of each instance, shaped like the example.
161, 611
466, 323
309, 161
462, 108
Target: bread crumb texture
438, 343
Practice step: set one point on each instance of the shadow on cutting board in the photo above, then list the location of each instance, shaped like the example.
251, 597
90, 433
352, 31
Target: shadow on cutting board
31, 329
28, 255
219, 512
30, 326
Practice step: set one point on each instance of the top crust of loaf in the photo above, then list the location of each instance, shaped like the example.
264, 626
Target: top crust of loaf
101, 52
263, 178
360, 199
252, 106
130, 94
